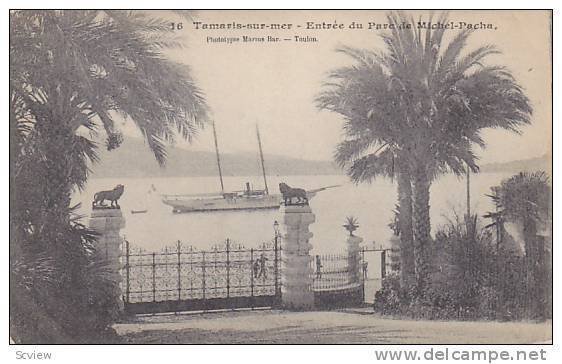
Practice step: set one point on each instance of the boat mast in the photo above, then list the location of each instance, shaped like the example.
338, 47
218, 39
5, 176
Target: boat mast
262, 163
218, 156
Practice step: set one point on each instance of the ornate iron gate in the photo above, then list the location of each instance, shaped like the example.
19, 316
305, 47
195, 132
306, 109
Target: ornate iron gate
372, 278
338, 280
182, 278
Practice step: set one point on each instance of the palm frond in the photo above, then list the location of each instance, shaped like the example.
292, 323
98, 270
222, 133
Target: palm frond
371, 166
114, 63
452, 52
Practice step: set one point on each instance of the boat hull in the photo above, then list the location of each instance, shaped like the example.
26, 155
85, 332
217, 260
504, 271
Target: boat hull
139, 211
221, 204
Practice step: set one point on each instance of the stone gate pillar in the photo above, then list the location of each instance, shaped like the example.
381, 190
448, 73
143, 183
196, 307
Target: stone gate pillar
296, 269
108, 222
354, 258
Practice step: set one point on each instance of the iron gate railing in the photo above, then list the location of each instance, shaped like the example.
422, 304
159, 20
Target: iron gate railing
228, 276
336, 271
338, 280
385, 263
185, 278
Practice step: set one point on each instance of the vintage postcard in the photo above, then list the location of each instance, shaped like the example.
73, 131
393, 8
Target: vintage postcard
280, 177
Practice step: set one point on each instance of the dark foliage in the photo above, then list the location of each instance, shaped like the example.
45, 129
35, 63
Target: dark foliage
471, 277
71, 73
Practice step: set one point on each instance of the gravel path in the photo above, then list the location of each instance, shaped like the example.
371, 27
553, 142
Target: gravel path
332, 327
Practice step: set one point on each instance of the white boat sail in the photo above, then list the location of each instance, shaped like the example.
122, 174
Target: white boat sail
142, 206
247, 199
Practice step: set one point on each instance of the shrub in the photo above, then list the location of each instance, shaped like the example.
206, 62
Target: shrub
471, 277
389, 299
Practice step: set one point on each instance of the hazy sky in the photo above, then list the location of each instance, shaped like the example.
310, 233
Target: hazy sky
274, 84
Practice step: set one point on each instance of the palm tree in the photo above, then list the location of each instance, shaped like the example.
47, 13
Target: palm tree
426, 102
525, 199
373, 137
71, 74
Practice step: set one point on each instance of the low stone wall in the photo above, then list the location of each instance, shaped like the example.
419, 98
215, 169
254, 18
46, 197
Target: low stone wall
339, 298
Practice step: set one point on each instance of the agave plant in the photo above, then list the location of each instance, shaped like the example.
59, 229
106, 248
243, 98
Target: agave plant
351, 224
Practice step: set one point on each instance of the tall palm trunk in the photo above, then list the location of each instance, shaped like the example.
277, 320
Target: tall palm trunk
421, 223
407, 262
533, 291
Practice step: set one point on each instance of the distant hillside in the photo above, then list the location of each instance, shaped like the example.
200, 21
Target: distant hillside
528, 165
134, 159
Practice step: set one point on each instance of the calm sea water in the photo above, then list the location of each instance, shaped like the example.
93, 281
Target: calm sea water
371, 204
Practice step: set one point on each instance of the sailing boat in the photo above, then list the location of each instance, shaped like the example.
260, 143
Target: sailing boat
247, 199
143, 209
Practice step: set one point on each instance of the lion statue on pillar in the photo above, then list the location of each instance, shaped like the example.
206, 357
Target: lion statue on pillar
113, 196
289, 193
